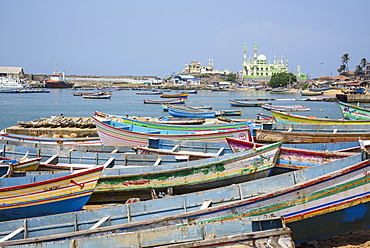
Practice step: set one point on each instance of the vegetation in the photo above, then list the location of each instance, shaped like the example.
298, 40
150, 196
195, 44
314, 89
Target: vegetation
304, 86
343, 69
231, 77
282, 79
360, 69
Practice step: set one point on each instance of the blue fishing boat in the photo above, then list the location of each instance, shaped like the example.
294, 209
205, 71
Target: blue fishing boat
191, 113
23, 197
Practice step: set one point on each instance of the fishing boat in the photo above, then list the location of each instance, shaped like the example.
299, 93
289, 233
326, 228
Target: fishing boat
180, 128
22, 164
261, 116
26, 197
311, 93
321, 196
204, 107
26, 90
320, 89
311, 133
190, 92
194, 150
97, 93
282, 117
147, 92
354, 112
107, 95
94, 141
114, 133
189, 177
244, 103
179, 121
181, 95
171, 101
57, 158
269, 106
231, 112
57, 80
280, 90
289, 159
187, 112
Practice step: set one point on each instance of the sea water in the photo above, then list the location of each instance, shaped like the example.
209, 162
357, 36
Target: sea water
32, 106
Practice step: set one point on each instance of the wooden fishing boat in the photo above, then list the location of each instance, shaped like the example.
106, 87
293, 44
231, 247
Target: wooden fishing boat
94, 141
97, 93
290, 159
311, 93
171, 101
244, 103
191, 113
354, 112
181, 128
229, 112
181, 95
280, 90
194, 150
320, 89
153, 92
179, 121
22, 164
103, 96
117, 134
310, 133
282, 117
320, 196
261, 116
268, 106
189, 177
190, 92
46, 194
204, 107
64, 158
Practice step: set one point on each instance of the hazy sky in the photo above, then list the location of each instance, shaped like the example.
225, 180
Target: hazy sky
159, 37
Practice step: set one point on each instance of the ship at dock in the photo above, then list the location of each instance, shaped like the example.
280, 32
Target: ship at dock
57, 80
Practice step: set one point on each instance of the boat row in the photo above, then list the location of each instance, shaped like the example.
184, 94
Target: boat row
231, 189
286, 203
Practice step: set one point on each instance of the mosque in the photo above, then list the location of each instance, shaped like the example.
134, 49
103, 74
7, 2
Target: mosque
258, 68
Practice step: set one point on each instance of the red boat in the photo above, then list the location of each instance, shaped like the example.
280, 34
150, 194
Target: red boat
57, 80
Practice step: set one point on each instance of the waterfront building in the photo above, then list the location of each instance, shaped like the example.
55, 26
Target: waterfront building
11, 72
257, 67
195, 68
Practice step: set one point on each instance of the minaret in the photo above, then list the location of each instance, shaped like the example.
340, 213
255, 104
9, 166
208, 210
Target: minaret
255, 53
245, 54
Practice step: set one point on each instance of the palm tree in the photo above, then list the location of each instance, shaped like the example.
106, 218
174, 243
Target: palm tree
345, 59
363, 63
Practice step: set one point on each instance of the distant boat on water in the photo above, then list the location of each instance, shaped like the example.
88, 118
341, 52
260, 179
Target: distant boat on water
11, 83
57, 80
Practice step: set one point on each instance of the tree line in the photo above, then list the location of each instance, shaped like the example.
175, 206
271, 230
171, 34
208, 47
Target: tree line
359, 69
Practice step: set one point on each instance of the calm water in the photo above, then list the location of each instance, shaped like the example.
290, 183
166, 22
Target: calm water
26, 107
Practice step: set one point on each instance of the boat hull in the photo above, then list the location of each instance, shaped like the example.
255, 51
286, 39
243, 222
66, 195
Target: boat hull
354, 112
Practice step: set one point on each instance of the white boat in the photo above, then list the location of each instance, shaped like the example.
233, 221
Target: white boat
11, 83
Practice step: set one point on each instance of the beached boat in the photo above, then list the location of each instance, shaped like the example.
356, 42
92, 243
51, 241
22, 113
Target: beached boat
181, 95
320, 89
171, 101
189, 177
186, 112
93, 141
244, 103
290, 159
194, 150
180, 128
124, 159
25, 197
261, 116
311, 93
354, 112
311, 133
322, 196
269, 106
178, 121
282, 117
114, 133
22, 164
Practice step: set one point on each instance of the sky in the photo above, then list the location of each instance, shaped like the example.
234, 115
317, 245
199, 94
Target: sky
157, 38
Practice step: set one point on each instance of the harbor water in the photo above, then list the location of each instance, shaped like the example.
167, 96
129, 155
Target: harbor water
32, 106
